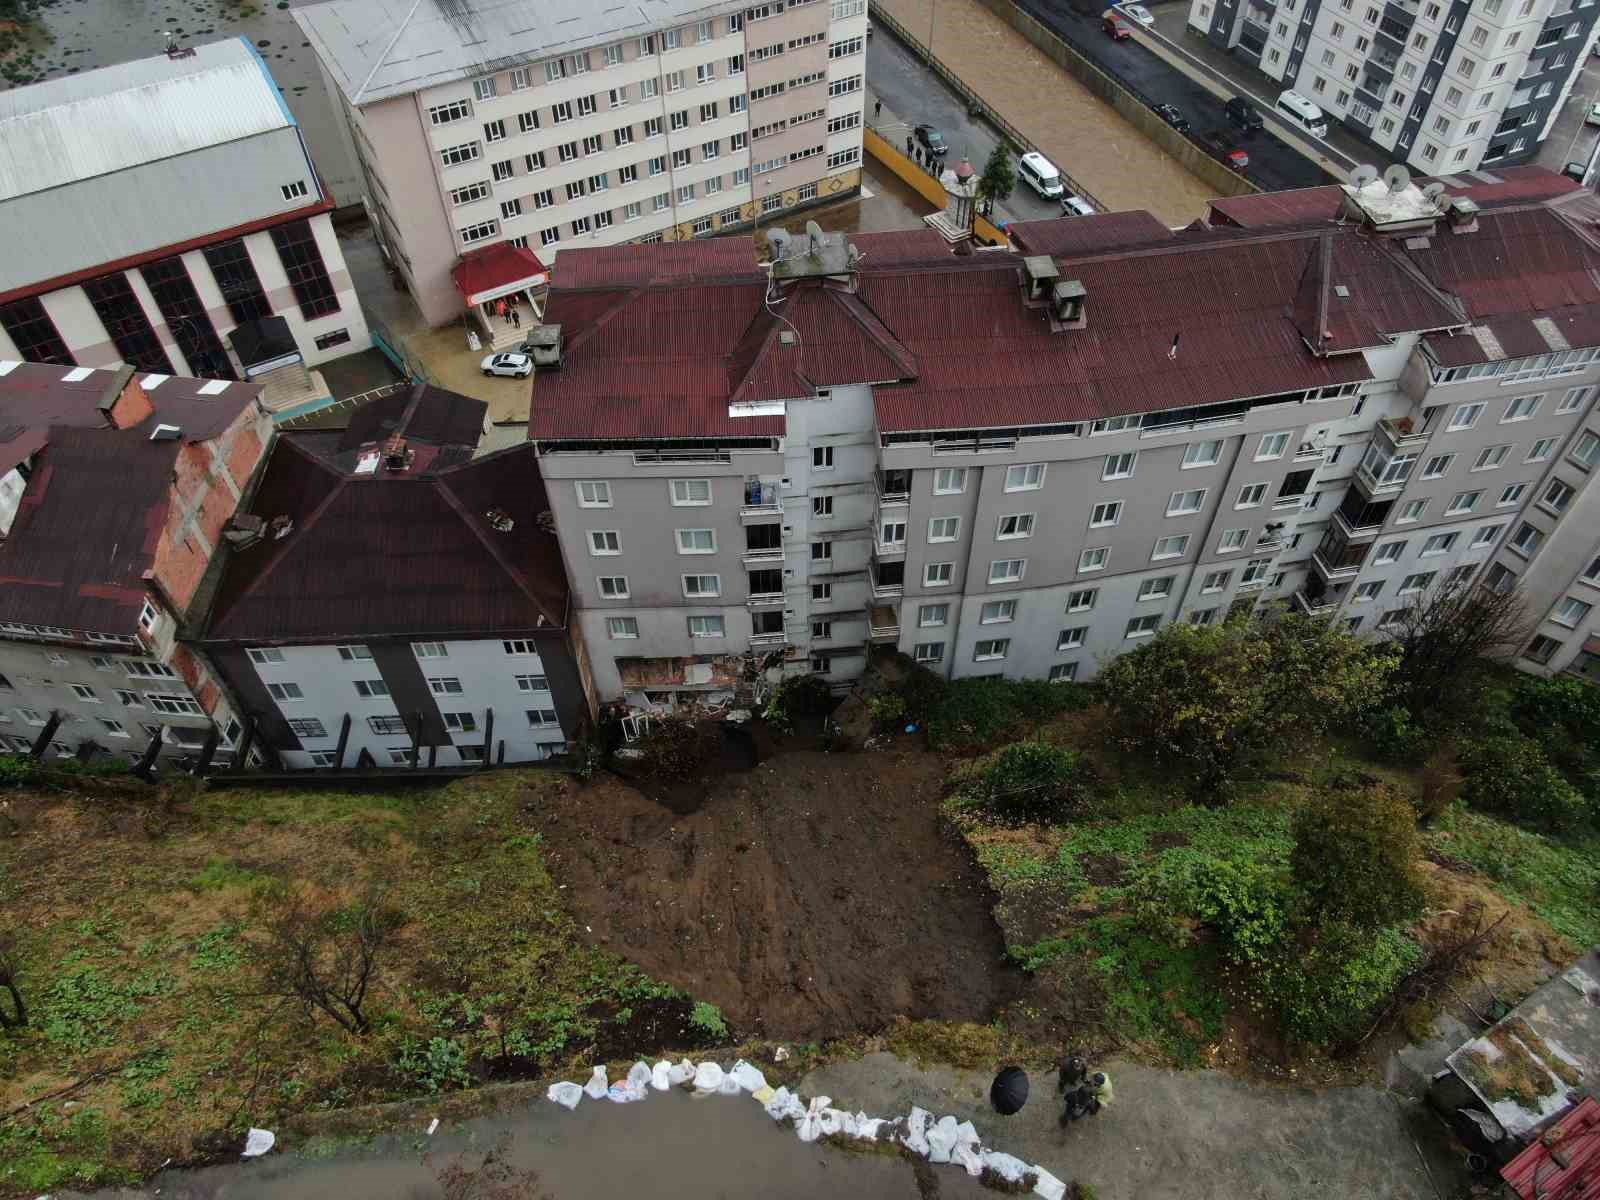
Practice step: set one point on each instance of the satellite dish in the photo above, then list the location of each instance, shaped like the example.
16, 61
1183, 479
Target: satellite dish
1363, 175
1398, 178
1433, 191
814, 234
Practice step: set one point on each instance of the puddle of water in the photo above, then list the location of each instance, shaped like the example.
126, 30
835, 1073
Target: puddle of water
672, 1147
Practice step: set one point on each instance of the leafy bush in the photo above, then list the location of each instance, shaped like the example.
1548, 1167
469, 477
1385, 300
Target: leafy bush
887, 710
922, 691
1438, 786
1355, 857
1511, 777
1325, 995
1023, 780
707, 1018
1395, 734
1247, 903
438, 1064
974, 713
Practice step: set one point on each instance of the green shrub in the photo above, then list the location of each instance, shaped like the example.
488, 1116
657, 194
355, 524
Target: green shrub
922, 691
1327, 994
707, 1018
975, 713
1355, 856
17, 769
1395, 734
1024, 780
887, 711
439, 1064
1247, 903
1512, 778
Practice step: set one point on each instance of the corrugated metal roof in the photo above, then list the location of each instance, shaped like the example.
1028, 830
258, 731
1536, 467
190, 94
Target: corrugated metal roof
375, 49
102, 121
1087, 235
1536, 1174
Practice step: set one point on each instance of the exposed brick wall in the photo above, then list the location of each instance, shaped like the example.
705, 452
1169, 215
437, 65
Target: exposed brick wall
132, 405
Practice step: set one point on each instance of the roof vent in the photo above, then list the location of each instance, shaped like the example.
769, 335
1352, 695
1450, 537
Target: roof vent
1041, 273
244, 530
787, 337
397, 455
282, 527
543, 345
166, 433
1067, 303
367, 464
1463, 214
1341, 291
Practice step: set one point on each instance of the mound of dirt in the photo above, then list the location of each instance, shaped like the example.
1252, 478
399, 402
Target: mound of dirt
815, 896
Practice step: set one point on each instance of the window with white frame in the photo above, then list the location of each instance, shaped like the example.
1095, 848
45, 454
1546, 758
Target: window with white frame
1202, 454
612, 587
1156, 589
1440, 543
1251, 495
519, 646
1541, 450
430, 649
1082, 600
1557, 496
1485, 536
1411, 512
1437, 465
622, 627
938, 574
949, 481
702, 586
691, 492
705, 627
1465, 416
1063, 672
605, 541
1462, 502
1527, 538
1575, 398
822, 458
445, 685
1520, 408
944, 529
1586, 451
1007, 570
1256, 570
1024, 477
265, 655
1419, 582
1144, 626
1571, 612
891, 533
1071, 639
931, 615
369, 689
991, 649
1184, 503
1215, 581
307, 727
928, 652
1170, 547
1542, 649
1203, 616
1094, 558
1389, 552
996, 612
285, 691
1491, 457
1232, 539
1370, 590
697, 541
1511, 495
593, 493
1014, 525
1272, 445
1104, 514
1119, 466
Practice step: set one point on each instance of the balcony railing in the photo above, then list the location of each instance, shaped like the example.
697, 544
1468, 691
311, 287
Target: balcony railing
1179, 426
1343, 524
887, 591
1377, 486
1309, 452
1253, 585
883, 621
766, 639
1333, 569
764, 599
1285, 503
1322, 604
757, 558
1401, 435
889, 549
762, 500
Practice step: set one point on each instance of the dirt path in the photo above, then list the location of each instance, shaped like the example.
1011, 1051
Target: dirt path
813, 896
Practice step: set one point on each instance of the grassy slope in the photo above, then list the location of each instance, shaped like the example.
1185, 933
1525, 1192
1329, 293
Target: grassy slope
135, 927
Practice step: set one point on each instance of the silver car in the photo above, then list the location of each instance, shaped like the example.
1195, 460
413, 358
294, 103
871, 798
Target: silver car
518, 366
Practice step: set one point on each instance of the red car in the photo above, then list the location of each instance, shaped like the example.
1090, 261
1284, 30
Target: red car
1116, 28
1222, 146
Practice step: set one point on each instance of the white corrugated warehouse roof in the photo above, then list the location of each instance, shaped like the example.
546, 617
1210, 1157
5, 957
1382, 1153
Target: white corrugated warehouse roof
84, 126
375, 49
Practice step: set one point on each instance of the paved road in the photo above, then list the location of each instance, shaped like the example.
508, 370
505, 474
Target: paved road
1273, 165
1571, 139
915, 95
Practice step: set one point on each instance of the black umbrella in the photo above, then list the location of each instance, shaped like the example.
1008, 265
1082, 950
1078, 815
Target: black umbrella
1009, 1091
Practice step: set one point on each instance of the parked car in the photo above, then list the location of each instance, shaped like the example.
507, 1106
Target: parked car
1220, 144
1170, 114
1243, 114
1594, 115
1076, 206
1039, 173
1141, 14
931, 140
518, 366
1575, 170
1116, 28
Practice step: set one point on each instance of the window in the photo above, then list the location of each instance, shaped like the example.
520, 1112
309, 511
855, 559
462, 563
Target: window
1527, 538
84, 692
822, 506
1490, 457
369, 688
697, 541
996, 612
1367, 591
1465, 416
307, 727
1251, 495
1007, 570
613, 587
430, 649
822, 458
1256, 570
1156, 589
700, 586
682, 158
1485, 536
285, 691
1119, 466
1183, 503
149, 618
443, 114
1389, 552
605, 541
1500, 579
1143, 626
1171, 547
1587, 451
622, 627
593, 493
892, 533
1512, 494
1071, 639
1272, 445
944, 529
1202, 454
494, 131
1412, 512
1203, 616
1571, 612
532, 683
1557, 496
1094, 559
1025, 478
1016, 525
302, 263
459, 722
1215, 581
1541, 649
354, 653
262, 656
930, 615
1541, 450
822, 551
1063, 672
949, 481
1081, 600
1437, 465
1462, 502
938, 574
1440, 543
821, 593
1107, 512
928, 652
1232, 539
705, 627
1575, 399
1522, 407
991, 649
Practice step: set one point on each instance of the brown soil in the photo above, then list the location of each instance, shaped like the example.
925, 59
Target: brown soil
811, 897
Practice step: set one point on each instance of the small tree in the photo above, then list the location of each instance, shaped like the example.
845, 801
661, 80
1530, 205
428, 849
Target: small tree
1202, 697
1445, 630
999, 177
327, 959
10, 974
1355, 857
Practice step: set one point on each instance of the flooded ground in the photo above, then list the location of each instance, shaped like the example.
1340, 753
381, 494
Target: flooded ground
672, 1147
80, 35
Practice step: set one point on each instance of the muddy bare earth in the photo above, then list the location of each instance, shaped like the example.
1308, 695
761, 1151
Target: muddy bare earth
816, 895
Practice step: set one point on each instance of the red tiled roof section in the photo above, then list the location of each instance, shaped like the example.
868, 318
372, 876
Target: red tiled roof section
1507, 184
834, 340
1522, 261
668, 262
1268, 210
900, 245
1087, 235
1537, 1174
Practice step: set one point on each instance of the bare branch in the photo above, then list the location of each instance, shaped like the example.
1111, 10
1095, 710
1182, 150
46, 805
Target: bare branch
14, 1016
1443, 631
327, 959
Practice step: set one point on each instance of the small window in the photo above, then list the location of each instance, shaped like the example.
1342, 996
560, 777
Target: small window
371, 688
1437, 465
262, 655
1522, 407
949, 481
938, 574
822, 458
821, 631
430, 649
702, 586
1016, 525
1144, 626
822, 506
1558, 496
285, 691
1104, 514
612, 587
307, 727
1251, 495
605, 541
84, 692
1007, 570
691, 492
1485, 536
1462, 502
1389, 552
622, 627
1272, 445
1063, 672
1071, 639
1571, 612
991, 649
697, 541
705, 627
1215, 581
1542, 649
1490, 457
460, 722
519, 646
1171, 547
1119, 466
1024, 478
295, 190
928, 652
1465, 416
594, 493
1511, 495
1439, 543
444, 685
944, 529
1094, 559
1202, 454
1183, 503
1232, 539
1081, 600
821, 593
996, 612
149, 618
1156, 589
354, 653
1541, 450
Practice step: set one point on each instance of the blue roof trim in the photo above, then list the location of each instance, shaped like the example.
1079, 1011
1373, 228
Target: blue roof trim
272, 83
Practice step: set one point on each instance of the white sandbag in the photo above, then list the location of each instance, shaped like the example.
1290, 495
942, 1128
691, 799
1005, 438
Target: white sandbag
810, 1126
763, 1096
729, 1087
941, 1139
1007, 1166
968, 1157
915, 1138
639, 1077
830, 1121
620, 1093
680, 1072
595, 1089
778, 1107
849, 1125
966, 1135
1049, 1186
867, 1127
748, 1077
661, 1076
565, 1094
257, 1142
707, 1077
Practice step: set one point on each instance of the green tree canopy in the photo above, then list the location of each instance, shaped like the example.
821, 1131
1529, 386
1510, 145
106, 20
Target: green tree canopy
1355, 857
999, 177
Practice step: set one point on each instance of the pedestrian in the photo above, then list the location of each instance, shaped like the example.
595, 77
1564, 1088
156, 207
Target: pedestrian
877, 110
516, 316
908, 145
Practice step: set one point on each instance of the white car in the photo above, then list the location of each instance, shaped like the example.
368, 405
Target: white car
518, 366
1594, 115
1076, 206
1141, 14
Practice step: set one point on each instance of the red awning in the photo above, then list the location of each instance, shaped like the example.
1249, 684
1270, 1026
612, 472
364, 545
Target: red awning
496, 271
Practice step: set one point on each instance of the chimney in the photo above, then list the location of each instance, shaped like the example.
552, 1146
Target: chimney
1040, 275
1462, 214
244, 530
544, 345
1068, 301
124, 403
396, 455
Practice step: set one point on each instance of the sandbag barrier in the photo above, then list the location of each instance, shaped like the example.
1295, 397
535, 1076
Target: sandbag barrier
939, 1141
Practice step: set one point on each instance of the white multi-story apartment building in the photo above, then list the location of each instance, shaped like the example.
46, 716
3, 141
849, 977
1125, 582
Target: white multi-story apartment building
1024, 464
163, 213
1445, 85
553, 125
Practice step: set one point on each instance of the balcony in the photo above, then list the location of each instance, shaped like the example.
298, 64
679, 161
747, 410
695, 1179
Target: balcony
1252, 585
1386, 484
889, 551
1334, 566
1401, 434
1315, 607
766, 639
888, 587
768, 557
883, 622
1290, 503
763, 500
894, 488
765, 600
1307, 452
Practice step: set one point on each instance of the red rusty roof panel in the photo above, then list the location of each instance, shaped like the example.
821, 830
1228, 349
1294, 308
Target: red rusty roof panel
1268, 210
667, 262
1535, 1174
1087, 235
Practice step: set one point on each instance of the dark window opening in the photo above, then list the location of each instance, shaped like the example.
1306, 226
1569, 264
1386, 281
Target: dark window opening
763, 537
302, 263
770, 621
891, 574
122, 315
30, 327
237, 281
187, 318
766, 583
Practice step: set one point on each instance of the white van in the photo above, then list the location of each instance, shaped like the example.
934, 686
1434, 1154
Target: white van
1302, 114
1041, 175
